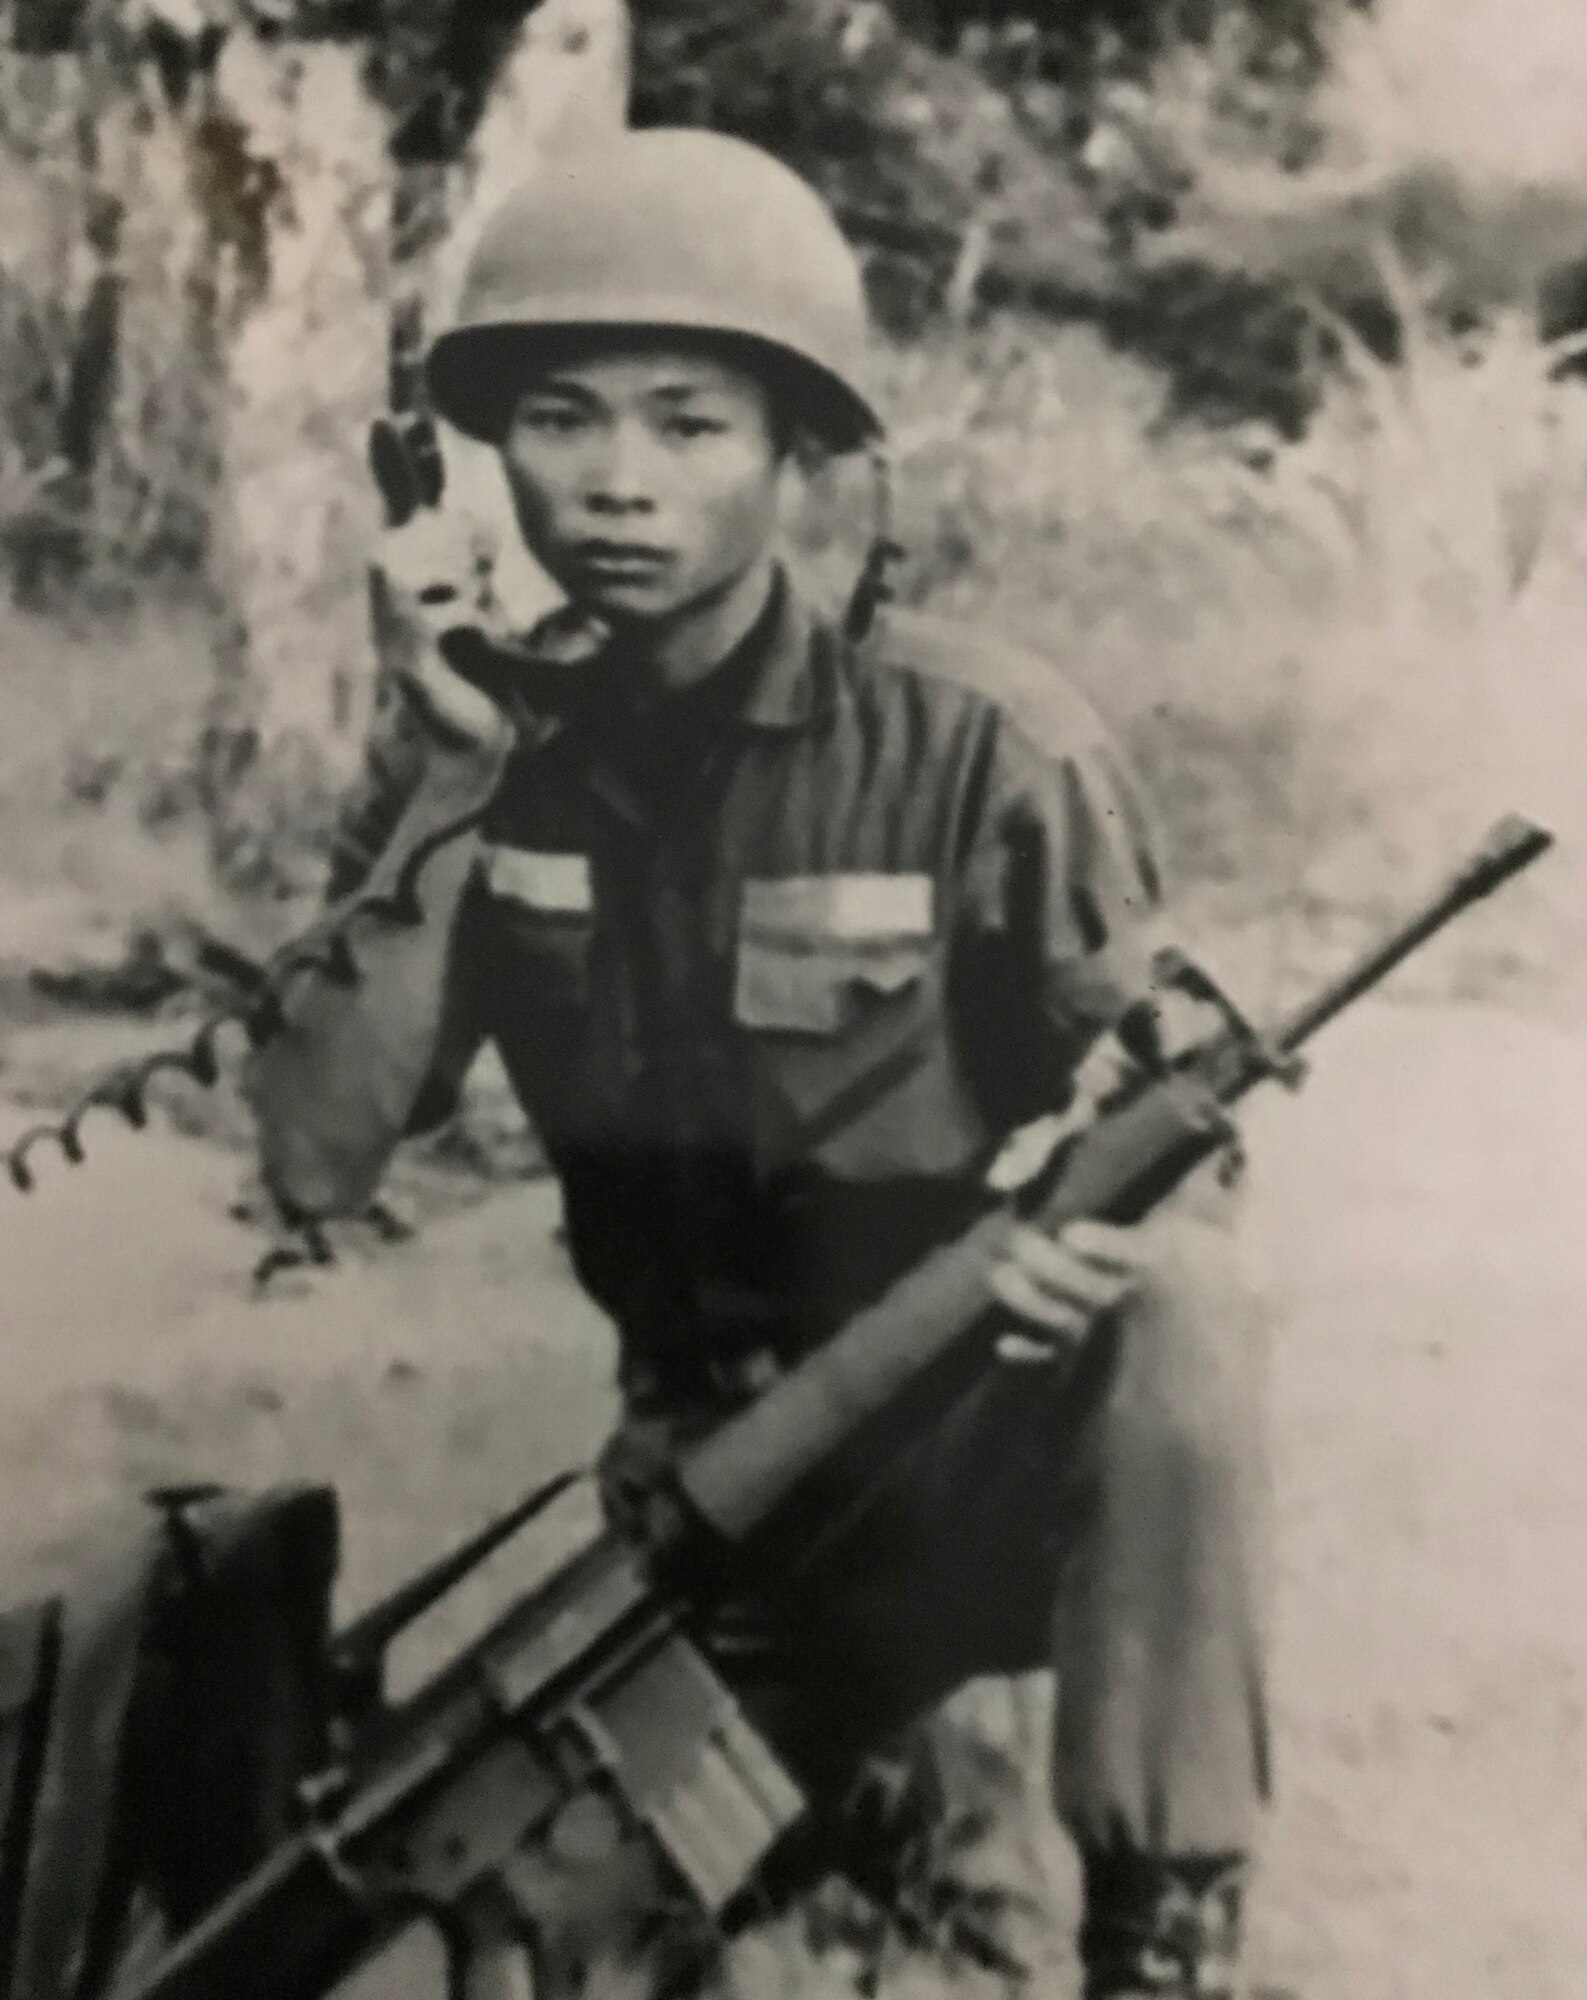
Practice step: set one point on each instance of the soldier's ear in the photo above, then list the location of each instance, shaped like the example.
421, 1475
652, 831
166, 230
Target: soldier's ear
802, 447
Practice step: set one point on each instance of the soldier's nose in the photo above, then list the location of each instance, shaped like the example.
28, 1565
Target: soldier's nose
620, 481
610, 498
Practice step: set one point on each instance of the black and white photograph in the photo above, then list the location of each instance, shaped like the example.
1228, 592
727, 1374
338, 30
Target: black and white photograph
793, 955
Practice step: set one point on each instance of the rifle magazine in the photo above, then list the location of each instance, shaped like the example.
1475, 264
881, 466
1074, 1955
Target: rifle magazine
692, 1767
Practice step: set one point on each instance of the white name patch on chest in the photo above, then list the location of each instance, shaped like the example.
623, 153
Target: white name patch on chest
559, 884
852, 908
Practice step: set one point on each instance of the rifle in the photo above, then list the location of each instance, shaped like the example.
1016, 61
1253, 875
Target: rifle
588, 1697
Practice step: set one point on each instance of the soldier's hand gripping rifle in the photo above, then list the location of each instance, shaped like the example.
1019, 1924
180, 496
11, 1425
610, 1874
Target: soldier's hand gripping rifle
588, 1704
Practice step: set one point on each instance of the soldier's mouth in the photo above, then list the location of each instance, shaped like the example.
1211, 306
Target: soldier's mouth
621, 562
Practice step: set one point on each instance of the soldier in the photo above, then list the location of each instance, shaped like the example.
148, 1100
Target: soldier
782, 929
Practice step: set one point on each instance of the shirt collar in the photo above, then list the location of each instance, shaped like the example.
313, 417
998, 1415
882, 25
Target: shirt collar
781, 693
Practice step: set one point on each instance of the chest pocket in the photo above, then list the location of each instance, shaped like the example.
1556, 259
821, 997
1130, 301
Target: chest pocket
545, 905
838, 987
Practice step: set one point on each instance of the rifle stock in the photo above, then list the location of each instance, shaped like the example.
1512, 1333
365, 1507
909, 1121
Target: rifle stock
590, 1682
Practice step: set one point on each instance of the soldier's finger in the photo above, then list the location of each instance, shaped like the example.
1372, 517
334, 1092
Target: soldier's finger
447, 698
1109, 1244
1063, 1273
1033, 1350
1015, 1288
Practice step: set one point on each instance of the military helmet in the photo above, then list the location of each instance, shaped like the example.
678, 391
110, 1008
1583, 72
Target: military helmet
671, 230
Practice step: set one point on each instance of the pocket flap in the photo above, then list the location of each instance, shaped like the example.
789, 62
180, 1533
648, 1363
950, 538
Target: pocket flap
865, 909
808, 944
811, 991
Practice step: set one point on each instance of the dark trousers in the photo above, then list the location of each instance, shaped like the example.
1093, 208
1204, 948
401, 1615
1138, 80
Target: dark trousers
1107, 1519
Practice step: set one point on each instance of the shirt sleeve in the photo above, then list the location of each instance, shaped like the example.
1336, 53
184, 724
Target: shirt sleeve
394, 765
1059, 918
399, 752
462, 1031
356, 1067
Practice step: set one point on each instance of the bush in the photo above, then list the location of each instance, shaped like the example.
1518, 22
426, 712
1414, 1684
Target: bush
979, 158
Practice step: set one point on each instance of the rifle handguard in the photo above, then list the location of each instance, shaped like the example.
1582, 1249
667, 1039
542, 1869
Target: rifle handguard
752, 1470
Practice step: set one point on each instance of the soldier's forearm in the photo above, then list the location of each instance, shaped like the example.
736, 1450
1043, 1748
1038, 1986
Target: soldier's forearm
334, 1088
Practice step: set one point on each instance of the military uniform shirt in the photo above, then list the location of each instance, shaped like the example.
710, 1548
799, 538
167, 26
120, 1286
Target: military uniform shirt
775, 968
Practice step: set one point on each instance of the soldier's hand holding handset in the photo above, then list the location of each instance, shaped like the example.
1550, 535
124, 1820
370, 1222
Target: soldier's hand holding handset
431, 578
471, 662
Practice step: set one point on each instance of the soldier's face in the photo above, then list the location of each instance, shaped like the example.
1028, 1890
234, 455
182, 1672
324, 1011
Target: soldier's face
646, 478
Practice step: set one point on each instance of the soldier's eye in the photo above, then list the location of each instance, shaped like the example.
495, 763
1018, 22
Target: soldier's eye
694, 426
557, 419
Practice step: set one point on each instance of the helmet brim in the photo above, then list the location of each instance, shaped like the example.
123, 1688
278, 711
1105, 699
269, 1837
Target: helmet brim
475, 374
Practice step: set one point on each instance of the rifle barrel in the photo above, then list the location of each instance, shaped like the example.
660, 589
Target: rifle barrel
1512, 843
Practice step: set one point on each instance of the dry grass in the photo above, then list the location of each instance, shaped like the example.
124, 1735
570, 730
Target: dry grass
95, 755
1336, 659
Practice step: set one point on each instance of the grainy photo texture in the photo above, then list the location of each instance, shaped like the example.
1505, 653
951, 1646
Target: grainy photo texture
791, 969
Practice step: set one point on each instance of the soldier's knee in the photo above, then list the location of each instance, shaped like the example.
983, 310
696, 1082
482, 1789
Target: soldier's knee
1192, 1366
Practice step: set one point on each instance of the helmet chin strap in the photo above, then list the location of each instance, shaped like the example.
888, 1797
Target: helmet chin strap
873, 588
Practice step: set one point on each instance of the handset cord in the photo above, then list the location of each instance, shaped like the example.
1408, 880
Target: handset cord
326, 952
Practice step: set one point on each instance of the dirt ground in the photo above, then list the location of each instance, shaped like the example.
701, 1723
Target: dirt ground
1423, 1213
